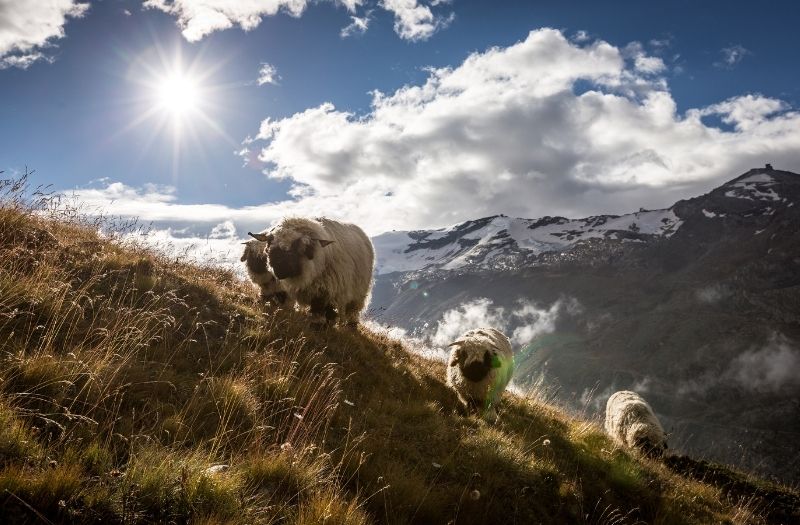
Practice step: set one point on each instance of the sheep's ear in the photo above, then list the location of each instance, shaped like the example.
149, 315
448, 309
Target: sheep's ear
323, 243
243, 257
263, 237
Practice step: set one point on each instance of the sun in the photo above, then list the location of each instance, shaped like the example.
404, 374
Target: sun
178, 94
177, 100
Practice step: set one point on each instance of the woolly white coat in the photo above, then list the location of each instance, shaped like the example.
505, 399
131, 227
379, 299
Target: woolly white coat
479, 369
340, 270
631, 422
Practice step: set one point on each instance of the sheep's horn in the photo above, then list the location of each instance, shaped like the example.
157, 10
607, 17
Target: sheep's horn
322, 242
258, 236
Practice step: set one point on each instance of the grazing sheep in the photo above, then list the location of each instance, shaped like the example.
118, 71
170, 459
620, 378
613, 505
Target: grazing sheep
631, 423
256, 263
323, 264
480, 366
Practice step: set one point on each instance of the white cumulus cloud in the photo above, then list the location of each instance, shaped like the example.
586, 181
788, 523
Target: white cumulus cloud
508, 131
29, 28
524, 323
413, 20
199, 18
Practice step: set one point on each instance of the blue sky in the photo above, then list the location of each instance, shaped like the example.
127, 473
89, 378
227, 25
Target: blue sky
68, 114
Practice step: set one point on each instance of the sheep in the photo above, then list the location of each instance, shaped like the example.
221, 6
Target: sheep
480, 367
323, 264
631, 423
257, 269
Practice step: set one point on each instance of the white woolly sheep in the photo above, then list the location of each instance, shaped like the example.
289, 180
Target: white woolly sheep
480, 367
258, 270
323, 264
632, 423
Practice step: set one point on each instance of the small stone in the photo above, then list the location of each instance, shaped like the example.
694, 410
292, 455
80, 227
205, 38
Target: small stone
475, 494
287, 447
546, 442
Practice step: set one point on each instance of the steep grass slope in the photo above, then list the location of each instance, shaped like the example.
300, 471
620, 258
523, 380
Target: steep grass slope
135, 388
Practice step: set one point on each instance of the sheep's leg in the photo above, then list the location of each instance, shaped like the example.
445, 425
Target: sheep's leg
330, 314
322, 311
351, 312
472, 405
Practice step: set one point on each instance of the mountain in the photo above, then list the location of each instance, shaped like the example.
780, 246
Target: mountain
696, 306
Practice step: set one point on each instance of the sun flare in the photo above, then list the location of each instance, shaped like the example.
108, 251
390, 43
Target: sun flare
178, 94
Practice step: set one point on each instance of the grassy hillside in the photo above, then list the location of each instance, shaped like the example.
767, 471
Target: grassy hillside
135, 388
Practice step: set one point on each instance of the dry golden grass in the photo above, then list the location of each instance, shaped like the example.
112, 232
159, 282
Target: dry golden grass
135, 388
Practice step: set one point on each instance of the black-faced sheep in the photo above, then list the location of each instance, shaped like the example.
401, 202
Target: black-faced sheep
255, 260
480, 367
324, 264
632, 423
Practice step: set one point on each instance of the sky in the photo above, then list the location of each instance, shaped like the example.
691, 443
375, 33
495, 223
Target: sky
209, 118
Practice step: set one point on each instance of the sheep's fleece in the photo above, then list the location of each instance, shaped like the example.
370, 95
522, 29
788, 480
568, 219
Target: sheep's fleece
324, 264
479, 369
632, 423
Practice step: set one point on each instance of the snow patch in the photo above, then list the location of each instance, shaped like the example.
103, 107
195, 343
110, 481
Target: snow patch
402, 251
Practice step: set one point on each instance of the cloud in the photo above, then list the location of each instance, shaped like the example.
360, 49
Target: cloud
581, 36
543, 127
773, 368
199, 18
746, 112
472, 314
267, 74
414, 20
358, 26
713, 293
28, 29
527, 321
643, 63
731, 56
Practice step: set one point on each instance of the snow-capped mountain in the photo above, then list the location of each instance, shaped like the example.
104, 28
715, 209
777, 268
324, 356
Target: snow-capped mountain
481, 242
505, 243
696, 306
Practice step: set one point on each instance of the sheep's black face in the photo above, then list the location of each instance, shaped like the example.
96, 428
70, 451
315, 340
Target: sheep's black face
256, 262
286, 263
649, 449
278, 298
477, 370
